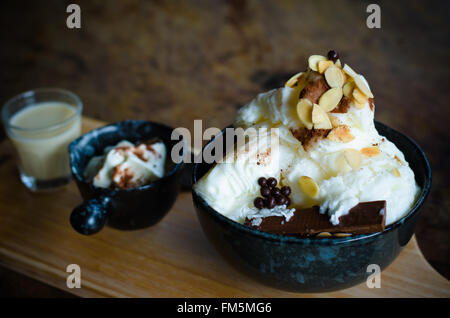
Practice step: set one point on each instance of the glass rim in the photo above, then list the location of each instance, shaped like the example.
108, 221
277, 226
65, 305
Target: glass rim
75, 97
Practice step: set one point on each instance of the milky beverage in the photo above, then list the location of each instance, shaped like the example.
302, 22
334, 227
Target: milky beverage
41, 134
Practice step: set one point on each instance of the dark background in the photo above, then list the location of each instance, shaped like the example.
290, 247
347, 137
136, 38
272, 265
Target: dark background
176, 61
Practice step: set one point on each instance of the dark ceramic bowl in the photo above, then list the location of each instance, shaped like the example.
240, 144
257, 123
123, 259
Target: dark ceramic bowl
124, 209
314, 264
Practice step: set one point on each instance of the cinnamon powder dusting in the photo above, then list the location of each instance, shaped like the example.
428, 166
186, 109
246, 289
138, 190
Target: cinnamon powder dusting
371, 104
316, 86
343, 106
125, 177
139, 152
262, 158
308, 137
150, 148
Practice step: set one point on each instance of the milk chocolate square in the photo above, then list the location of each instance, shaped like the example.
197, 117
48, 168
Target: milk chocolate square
364, 218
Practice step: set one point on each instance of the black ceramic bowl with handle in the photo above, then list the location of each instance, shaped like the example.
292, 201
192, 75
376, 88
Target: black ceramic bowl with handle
314, 264
124, 209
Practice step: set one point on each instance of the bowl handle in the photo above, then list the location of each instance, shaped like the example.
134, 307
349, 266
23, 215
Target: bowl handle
91, 216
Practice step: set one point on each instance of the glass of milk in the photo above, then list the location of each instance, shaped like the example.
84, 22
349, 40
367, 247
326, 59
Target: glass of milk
40, 124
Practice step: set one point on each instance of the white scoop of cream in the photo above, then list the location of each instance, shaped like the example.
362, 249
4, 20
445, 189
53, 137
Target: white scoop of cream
385, 176
126, 165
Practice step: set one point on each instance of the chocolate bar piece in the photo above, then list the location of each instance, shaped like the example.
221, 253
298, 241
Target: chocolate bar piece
366, 217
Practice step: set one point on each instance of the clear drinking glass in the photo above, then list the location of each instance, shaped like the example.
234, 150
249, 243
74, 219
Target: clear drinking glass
40, 124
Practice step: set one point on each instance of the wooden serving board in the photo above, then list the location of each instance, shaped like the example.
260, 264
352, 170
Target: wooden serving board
170, 259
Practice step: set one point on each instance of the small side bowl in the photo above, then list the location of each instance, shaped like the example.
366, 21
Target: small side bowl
314, 264
124, 209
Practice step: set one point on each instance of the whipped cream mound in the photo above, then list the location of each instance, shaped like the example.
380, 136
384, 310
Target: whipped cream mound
126, 165
325, 124
231, 186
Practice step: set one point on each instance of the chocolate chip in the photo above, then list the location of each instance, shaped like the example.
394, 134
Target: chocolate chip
286, 190
259, 203
265, 191
275, 191
262, 181
288, 201
333, 55
272, 182
270, 202
283, 200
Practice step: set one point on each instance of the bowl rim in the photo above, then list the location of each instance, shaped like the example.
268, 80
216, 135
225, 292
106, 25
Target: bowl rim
78, 175
425, 189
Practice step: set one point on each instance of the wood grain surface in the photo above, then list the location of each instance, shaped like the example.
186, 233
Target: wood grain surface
176, 61
170, 259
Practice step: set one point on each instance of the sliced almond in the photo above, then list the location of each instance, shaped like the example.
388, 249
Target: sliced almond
359, 96
353, 158
322, 66
320, 119
330, 99
334, 76
313, 60
296, 80
395, 172
358, 81
304, 112
358, 104
341, 234
363, 86
347, 90
309, 186
371, 151
335, 122
324, 234
348, 70
341, 134
341, 164
338, 63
